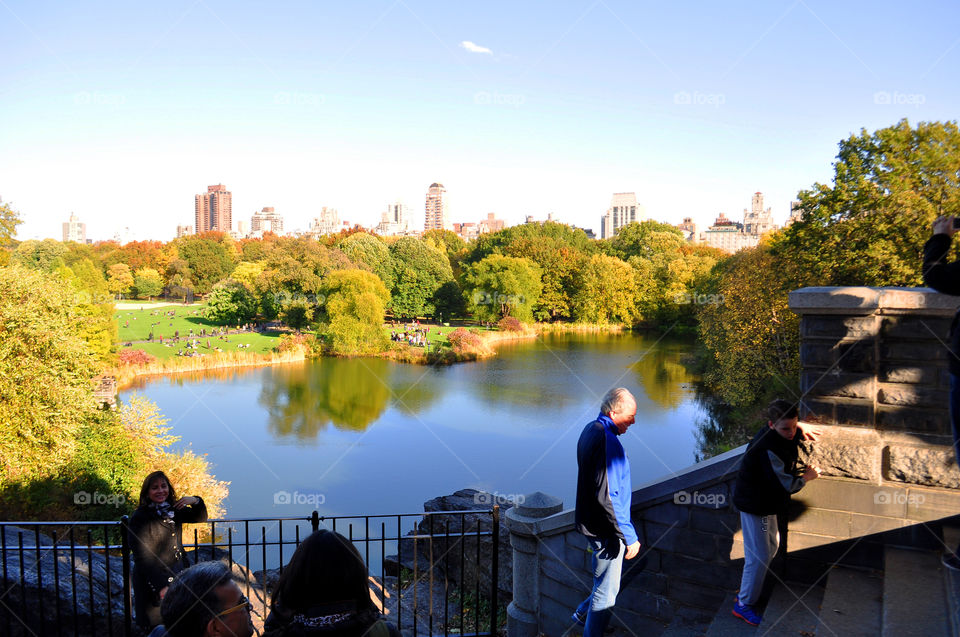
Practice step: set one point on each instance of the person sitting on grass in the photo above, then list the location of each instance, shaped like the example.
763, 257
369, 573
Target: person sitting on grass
767, 477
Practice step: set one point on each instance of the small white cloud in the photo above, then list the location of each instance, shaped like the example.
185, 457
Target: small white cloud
474, 48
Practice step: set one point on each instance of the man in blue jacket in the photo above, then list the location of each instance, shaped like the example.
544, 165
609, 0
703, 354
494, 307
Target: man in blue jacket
603, 506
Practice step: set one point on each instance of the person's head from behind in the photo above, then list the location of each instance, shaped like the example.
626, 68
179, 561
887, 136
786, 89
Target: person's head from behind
204, 601
621, 407
156, 489
326, 568
782, 418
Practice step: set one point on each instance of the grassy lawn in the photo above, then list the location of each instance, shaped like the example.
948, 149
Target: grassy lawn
136, 325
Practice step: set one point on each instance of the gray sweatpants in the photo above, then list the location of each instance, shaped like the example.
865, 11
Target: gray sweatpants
760, 541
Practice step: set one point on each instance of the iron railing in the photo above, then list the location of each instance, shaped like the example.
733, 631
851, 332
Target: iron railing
450, 555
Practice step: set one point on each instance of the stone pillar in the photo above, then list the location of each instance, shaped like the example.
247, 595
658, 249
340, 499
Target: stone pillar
523, 523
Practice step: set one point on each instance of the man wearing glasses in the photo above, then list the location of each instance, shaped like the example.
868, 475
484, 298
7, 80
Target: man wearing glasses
204, 601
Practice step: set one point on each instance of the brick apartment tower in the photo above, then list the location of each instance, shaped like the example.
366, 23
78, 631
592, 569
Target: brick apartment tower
436, 211
214, 210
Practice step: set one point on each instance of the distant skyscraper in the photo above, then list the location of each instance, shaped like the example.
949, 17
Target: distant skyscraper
623, 210
327, 223
436, 210
73, 230
395, 220
266, 221
183, 231
214, 210
757, 221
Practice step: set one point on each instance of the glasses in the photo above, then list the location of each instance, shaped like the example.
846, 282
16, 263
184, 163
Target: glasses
244, 604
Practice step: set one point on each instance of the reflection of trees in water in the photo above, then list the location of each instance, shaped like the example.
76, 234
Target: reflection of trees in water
349, 393
664, 373
722, 428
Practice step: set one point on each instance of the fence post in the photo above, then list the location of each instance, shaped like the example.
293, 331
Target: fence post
523, 521
315, 521
125, 569
495, 570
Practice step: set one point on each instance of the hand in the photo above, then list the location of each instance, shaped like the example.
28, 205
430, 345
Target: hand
943, 225
185, 501
809, 432
811, 473
632, 551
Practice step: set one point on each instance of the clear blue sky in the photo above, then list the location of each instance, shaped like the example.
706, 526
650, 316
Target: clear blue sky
121, 112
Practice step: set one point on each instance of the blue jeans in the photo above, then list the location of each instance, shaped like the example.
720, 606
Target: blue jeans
606, 584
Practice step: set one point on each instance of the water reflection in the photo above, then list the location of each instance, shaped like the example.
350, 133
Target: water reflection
664, 374
347, 393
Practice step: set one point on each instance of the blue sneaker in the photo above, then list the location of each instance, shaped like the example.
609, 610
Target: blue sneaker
579, 619
746, 613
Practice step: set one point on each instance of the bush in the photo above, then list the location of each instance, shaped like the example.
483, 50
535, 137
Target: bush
464, 342
135, 357
292, 342
511, 324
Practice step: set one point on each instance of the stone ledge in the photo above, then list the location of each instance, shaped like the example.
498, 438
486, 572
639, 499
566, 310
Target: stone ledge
867, 300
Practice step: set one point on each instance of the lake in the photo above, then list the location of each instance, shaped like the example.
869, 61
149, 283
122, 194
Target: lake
367, 436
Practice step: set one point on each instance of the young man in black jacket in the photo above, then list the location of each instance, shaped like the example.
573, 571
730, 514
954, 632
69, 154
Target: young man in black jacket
767, 477
944, 276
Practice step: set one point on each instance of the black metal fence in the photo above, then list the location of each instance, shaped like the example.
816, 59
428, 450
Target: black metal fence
432, 573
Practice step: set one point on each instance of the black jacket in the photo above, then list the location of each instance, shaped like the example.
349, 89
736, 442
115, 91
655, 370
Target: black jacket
944, 277
157, 546
767, 474
334, 620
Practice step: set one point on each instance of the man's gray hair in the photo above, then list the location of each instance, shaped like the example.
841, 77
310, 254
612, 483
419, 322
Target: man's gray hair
615, 400
192, 601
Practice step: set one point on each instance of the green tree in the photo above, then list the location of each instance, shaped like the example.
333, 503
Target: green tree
501, 286
231, 303
45, 373
119, 279
94, 306
366, 249
297, 314
9, 220
353, 312
208, 259
868, 227
179, 279
419, 271
46, 255
607, 291
247, 273
148, 283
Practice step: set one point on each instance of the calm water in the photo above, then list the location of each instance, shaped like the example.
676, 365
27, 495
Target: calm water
357, 436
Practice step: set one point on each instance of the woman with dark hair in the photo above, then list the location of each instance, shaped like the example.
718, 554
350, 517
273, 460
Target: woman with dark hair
154, 534
324, 591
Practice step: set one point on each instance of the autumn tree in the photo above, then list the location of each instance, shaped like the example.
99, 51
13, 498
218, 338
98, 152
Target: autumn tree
208, 259
419, 272
371, 251
607, 291
231, 303
147, 282
352, 314
119, 279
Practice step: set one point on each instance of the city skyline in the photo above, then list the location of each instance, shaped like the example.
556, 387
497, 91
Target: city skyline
547, 112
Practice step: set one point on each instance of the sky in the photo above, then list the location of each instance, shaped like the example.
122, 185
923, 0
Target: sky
120, 112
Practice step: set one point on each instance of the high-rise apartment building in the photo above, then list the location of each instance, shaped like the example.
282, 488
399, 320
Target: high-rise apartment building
327, 223
73, 230
436, 209
184, 230
214, 210
623, 209
757, 221
267, 220
394, 220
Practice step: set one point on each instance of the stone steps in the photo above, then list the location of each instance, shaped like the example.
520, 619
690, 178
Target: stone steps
914, 599
852, 604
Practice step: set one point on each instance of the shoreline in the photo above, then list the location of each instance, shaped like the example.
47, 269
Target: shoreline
127, 376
